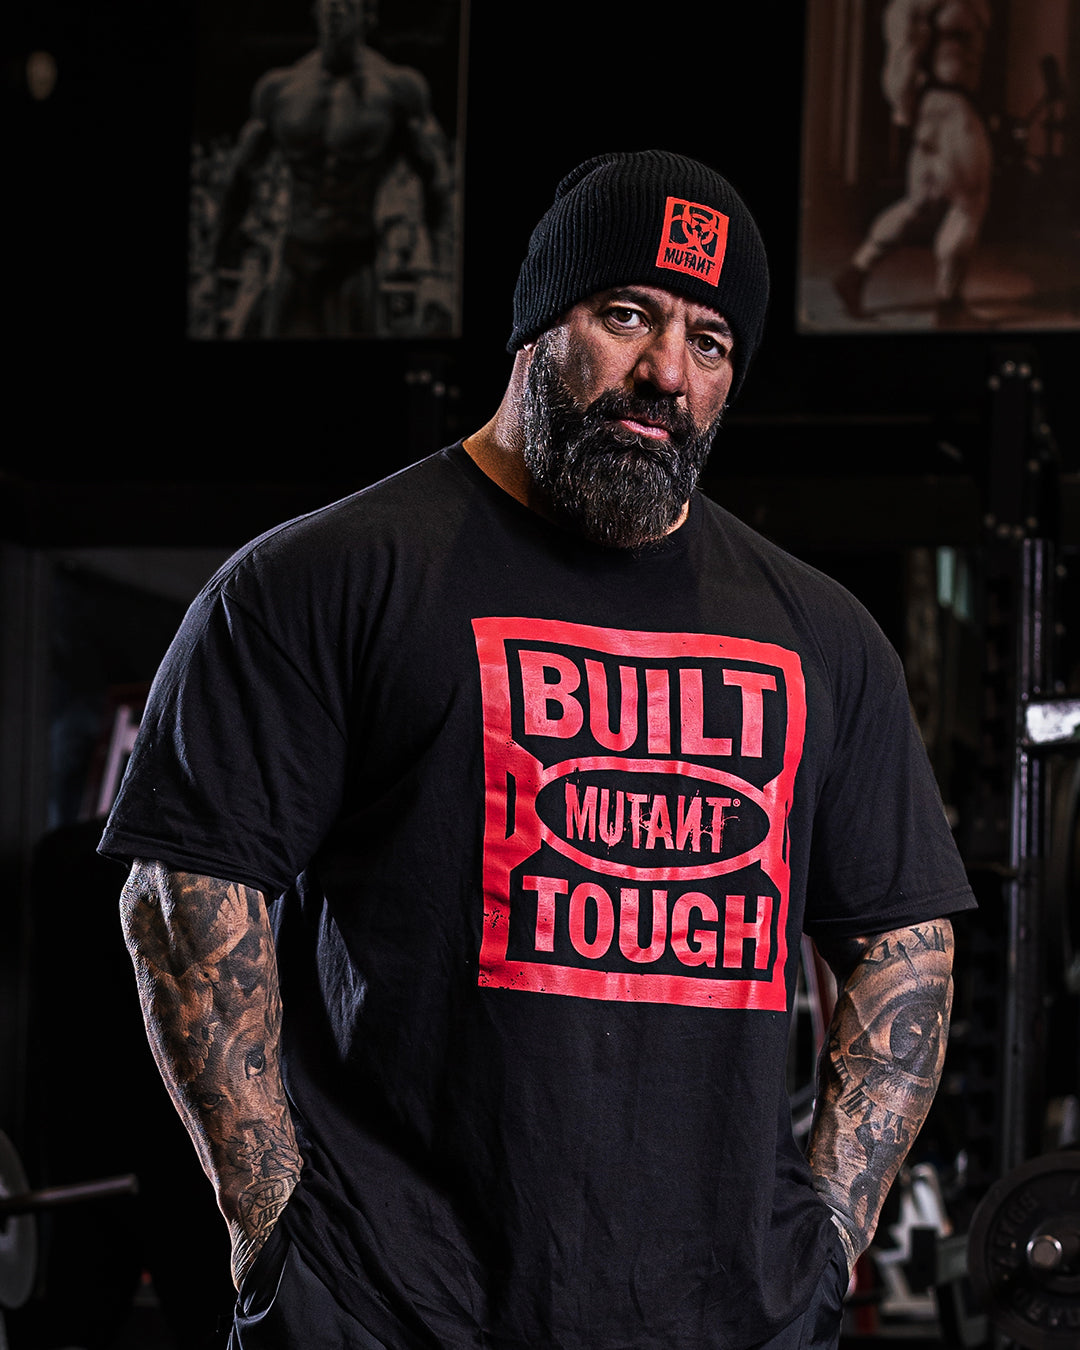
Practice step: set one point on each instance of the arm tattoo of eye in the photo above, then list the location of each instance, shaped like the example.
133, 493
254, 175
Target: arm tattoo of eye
880, 1068
207, 977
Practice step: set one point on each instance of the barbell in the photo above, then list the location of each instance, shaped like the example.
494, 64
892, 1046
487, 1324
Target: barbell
19, 1206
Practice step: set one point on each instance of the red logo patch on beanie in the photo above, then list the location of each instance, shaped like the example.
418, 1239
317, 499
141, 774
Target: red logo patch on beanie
693, 240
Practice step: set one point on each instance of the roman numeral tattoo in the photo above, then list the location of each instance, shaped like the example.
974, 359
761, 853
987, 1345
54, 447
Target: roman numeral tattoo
880, 1067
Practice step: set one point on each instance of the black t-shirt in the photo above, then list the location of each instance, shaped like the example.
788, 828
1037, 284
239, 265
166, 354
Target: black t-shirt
541, 825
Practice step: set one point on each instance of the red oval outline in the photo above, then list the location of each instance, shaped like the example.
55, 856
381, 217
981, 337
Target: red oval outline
672, 766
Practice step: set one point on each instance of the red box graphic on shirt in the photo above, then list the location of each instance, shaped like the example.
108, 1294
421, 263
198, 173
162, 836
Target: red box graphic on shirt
638, 788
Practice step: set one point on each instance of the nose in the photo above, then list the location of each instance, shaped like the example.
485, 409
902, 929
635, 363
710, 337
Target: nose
663, 360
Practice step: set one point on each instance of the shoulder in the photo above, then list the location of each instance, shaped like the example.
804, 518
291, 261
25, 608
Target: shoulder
268, 86
833, 625
319, 578
755, 552
409, 87
399, 512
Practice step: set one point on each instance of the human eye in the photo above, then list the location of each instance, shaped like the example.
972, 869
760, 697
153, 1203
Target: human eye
711, 346
624, 318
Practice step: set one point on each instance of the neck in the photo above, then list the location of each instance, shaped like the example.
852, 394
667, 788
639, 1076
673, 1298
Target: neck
338, 52
497, 448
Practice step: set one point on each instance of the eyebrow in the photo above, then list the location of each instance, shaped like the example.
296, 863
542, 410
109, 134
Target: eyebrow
708, 319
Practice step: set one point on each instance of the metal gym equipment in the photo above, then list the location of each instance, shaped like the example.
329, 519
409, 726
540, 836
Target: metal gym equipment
1024, 1252
19, 1207
1020, 1259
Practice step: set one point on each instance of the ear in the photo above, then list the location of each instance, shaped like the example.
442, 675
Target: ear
522, 361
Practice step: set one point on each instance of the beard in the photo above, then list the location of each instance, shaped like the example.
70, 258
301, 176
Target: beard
604, 482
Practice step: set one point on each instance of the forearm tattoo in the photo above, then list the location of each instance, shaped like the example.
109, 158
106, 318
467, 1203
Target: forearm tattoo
207, 978
880, 1067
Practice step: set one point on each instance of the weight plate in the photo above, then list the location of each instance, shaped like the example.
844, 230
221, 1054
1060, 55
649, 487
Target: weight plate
18, 1233
1024, 1253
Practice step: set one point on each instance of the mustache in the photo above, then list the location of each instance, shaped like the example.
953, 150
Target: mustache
616, 404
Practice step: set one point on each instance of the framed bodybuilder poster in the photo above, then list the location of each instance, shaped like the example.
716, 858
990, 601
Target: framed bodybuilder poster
940, 166
326, 169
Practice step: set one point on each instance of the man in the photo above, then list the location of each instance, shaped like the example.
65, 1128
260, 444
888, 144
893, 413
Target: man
342, 118
541, 763
933, 68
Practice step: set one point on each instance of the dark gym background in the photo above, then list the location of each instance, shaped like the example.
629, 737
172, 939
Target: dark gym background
935, 474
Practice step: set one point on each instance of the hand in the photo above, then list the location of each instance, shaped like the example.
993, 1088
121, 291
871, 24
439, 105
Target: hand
245, 1249
260, 1209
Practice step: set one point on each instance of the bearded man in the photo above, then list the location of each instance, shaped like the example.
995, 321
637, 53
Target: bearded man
475, 822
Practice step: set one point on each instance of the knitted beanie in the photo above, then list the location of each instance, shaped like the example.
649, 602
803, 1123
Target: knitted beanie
649, 218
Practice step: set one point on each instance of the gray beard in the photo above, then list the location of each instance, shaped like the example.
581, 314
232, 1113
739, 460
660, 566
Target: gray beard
598, 479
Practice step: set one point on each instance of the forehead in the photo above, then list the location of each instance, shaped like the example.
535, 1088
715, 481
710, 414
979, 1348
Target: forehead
664, 303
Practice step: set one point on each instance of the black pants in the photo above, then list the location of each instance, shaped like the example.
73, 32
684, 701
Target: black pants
283, 1305
819, 1326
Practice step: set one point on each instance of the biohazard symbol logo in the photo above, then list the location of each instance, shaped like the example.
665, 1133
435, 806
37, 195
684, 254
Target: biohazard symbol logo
694, 239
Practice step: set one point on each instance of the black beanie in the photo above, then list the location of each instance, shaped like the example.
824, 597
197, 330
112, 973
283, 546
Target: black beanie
648, 218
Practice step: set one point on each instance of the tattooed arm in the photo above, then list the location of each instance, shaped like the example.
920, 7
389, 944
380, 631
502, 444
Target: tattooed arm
879, 1068
207, 977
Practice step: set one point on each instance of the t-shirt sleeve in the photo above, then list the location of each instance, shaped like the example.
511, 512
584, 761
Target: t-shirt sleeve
882, 853
238, 767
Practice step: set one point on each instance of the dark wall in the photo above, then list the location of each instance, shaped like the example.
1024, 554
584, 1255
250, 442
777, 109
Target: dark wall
111, 390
